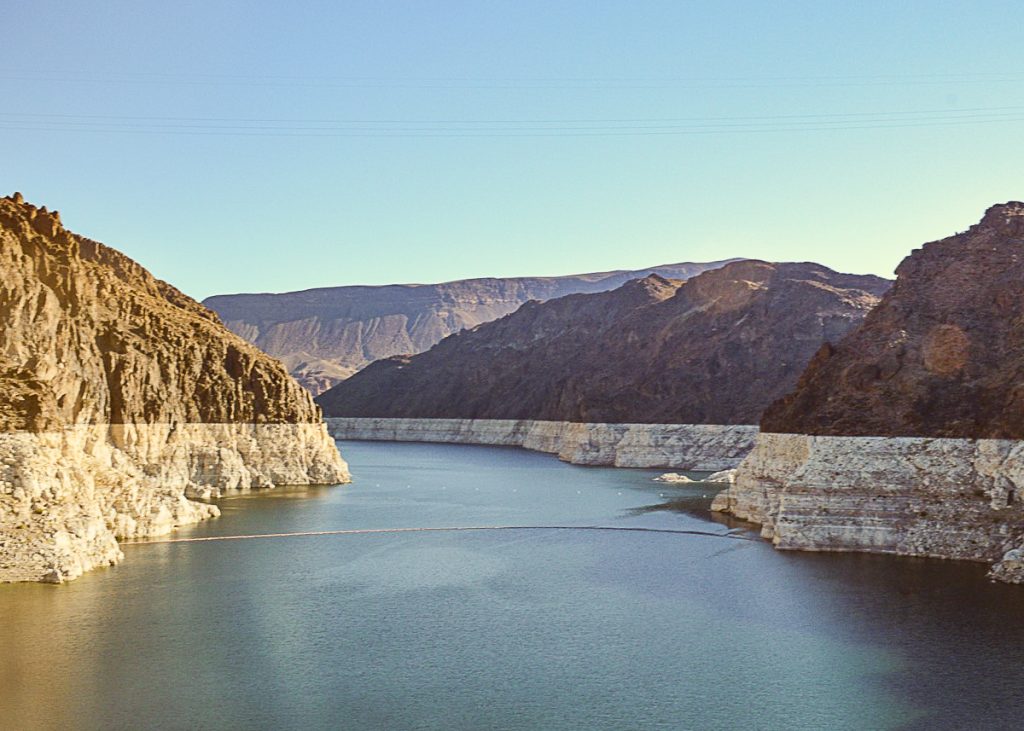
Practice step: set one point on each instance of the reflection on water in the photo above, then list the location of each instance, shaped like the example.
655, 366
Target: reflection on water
505, 629
693, 499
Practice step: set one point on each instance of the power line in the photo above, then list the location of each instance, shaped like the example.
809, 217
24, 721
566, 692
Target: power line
958, 111
510, 132
512, 82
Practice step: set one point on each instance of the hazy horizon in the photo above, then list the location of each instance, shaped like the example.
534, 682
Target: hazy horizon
511, 276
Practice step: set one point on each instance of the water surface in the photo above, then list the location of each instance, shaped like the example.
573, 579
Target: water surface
511, 630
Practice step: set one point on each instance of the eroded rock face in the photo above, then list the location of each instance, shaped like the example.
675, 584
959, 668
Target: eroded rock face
941, 356
713, 350
323, 336
905, 437
120, 398
912, 496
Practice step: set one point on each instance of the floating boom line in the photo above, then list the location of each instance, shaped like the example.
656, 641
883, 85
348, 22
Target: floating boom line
445, 529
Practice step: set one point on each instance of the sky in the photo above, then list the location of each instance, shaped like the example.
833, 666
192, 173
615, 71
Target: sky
258, 146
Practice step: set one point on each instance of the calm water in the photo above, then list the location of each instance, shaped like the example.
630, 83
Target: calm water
535, 629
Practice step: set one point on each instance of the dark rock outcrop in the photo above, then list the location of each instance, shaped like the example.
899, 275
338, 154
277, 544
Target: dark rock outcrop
941, 356
89, 336
713, 350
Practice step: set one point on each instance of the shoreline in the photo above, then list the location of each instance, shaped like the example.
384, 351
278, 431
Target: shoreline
695, 447
943, 498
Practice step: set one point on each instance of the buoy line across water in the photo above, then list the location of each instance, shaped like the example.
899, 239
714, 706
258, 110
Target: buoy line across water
450, 529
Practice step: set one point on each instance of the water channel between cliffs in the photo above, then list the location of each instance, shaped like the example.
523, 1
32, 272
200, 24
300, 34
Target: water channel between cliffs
518, 619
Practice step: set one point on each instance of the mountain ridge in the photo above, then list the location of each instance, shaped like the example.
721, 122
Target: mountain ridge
325, 334
656, 350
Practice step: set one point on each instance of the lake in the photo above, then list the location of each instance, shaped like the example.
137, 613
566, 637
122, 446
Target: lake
517, 629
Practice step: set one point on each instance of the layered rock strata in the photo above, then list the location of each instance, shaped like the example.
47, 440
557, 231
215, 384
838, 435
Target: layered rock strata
122, 401
911, 496
691, 447
905, 437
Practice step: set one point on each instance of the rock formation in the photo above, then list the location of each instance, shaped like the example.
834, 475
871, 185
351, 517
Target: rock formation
905, 436
713, 350
941, 356
673, 478
120, 399
325, 335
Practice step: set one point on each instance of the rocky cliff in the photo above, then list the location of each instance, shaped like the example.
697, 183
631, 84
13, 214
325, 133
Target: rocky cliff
905, 436
120, 399
325, 335
941, 356
713, 350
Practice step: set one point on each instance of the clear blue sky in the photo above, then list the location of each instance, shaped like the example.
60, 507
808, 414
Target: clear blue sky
244, 146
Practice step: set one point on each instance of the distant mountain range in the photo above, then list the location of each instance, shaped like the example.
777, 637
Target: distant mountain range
325, 335
716, 349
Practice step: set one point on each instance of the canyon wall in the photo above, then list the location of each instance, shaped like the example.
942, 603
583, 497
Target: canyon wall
123, 401
716, 349
906, 436
701, 447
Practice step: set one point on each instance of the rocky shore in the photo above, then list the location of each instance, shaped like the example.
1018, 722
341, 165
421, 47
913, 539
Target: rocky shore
68, 496
907, 436
911, 496
700, 447
123, 403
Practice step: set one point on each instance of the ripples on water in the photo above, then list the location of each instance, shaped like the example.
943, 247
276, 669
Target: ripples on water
497, 629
